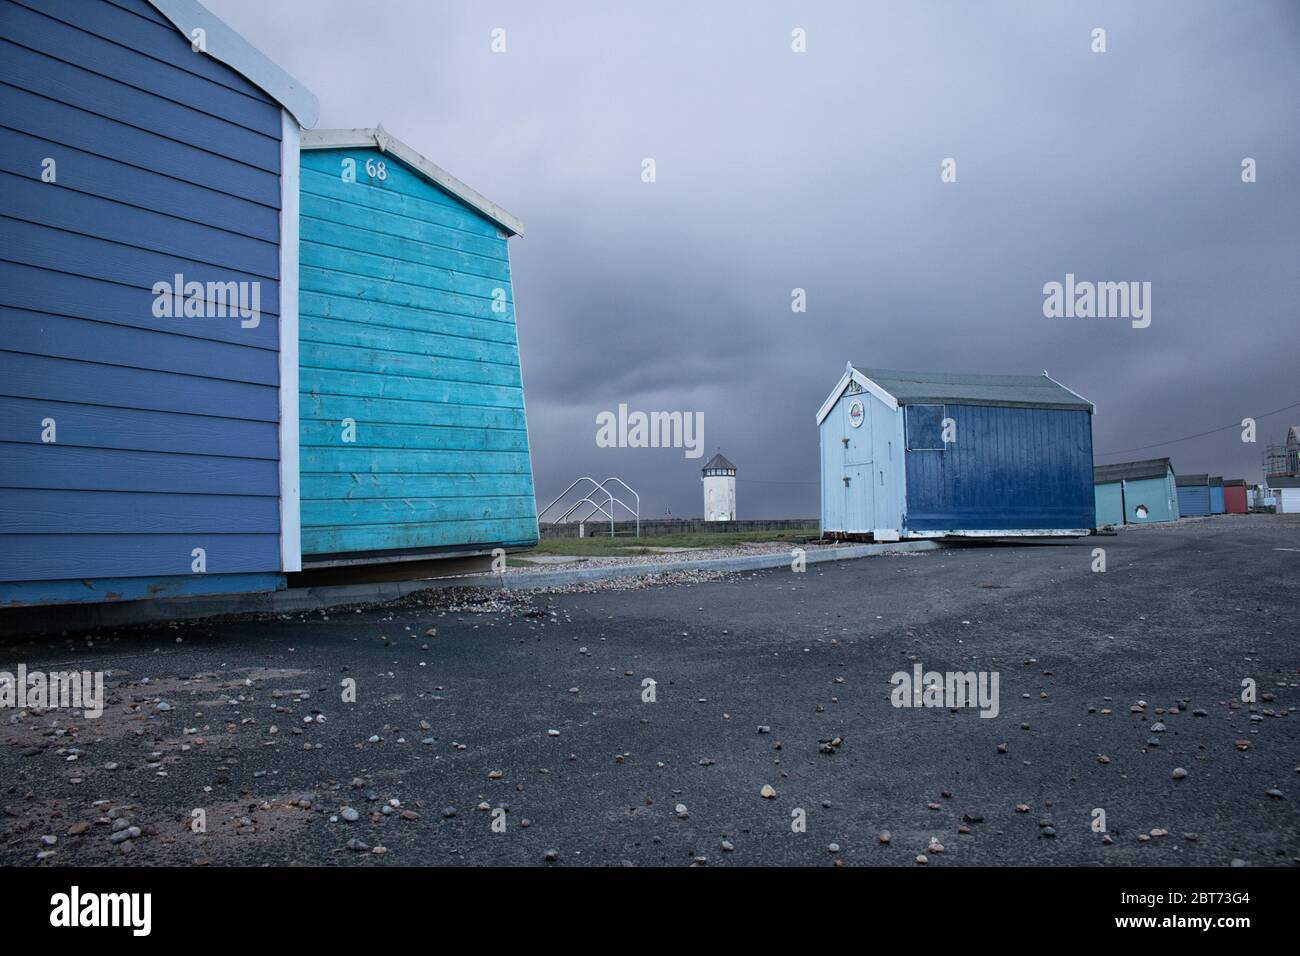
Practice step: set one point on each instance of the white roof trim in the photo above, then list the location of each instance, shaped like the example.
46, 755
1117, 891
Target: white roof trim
381, 139
224, 44
834, 396
1070, 390
852, 374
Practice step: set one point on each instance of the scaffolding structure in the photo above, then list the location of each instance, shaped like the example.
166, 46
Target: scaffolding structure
1283, 461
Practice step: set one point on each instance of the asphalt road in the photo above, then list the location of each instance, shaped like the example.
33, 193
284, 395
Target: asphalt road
535, 705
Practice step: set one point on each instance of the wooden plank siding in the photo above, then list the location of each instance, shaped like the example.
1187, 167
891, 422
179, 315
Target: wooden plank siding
398, 333
1009, 469
167, 428
1194, 501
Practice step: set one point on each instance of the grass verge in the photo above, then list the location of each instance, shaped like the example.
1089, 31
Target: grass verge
607, 547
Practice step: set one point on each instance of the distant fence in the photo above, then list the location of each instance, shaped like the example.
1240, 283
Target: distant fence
661, 526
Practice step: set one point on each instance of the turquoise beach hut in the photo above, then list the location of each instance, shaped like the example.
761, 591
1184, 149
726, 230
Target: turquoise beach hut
414, 442
1135, 492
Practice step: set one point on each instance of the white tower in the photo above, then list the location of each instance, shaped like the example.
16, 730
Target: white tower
719, 477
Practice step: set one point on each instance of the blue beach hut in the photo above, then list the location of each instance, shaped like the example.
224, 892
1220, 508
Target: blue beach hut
1217, 504
1194, 495
925, 454
148, 272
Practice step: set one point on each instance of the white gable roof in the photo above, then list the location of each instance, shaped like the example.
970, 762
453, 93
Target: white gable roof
853, 375
224, 44
379, 138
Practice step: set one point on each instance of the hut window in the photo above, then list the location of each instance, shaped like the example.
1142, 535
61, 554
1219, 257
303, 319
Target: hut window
925, 427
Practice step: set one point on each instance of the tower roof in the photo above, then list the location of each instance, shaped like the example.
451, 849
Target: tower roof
718, 461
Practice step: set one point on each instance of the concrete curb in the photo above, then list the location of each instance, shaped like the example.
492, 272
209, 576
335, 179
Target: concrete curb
71, 617
749, 562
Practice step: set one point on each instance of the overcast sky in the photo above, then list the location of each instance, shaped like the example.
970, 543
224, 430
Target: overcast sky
821, 170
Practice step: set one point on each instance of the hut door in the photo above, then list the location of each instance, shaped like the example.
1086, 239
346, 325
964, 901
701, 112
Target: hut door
857, 444
859, 475
859, 498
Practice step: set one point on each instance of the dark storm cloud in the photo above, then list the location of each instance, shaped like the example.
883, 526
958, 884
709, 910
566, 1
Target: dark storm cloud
821, 171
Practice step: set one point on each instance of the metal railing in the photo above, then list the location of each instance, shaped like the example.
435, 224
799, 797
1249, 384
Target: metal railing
604, 501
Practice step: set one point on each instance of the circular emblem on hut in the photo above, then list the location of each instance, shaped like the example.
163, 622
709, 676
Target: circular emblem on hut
856, 413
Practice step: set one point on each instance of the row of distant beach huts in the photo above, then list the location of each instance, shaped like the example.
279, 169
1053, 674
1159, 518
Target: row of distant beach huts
1141, 492
233, 348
